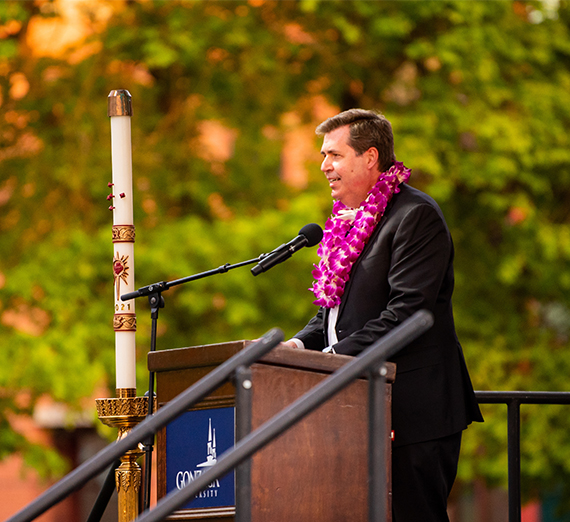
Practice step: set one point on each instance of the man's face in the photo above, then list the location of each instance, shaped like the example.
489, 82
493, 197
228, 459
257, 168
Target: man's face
350, 176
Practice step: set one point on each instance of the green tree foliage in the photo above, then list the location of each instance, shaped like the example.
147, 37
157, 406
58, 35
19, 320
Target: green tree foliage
479, 96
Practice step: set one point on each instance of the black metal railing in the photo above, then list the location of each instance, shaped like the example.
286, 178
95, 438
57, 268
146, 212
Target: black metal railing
370, 362
513, 400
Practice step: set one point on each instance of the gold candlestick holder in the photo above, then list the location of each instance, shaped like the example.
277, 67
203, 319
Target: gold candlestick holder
124, 413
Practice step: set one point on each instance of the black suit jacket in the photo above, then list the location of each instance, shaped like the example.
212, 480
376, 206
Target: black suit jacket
407, 265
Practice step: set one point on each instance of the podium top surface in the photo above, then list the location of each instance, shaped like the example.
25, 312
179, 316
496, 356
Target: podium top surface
215, 354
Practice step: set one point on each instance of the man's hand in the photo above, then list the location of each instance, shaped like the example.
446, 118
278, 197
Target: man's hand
291, 344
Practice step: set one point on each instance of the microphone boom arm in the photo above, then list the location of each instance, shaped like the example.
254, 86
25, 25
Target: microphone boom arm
164, 285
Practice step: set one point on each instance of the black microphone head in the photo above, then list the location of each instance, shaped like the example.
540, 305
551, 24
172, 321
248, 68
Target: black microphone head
313, 233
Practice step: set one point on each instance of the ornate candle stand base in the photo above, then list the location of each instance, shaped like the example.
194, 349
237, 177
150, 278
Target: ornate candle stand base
124, 413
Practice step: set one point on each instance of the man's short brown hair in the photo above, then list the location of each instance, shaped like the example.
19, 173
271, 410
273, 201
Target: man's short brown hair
367, 129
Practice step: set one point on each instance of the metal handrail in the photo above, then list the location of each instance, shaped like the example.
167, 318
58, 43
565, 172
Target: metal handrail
99, 462
513, 400
371, 358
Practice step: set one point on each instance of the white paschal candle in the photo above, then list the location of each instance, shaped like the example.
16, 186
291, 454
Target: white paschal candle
124, 320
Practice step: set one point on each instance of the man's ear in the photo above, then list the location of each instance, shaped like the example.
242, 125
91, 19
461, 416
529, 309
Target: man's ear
372, 156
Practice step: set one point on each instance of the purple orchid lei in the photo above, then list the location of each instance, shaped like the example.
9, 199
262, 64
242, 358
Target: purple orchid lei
344, 238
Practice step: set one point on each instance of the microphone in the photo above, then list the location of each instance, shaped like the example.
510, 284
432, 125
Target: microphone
309, 235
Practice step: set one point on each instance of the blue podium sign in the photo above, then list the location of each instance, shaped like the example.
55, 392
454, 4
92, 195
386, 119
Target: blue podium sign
193, 443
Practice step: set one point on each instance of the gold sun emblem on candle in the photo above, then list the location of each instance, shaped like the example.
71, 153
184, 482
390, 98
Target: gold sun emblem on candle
120, 271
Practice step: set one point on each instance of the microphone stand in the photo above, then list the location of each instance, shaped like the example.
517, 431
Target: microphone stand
156, 301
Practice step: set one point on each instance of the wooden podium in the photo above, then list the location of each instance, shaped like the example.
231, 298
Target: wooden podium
317, 471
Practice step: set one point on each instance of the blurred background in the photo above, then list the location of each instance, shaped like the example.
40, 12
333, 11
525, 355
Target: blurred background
226, 96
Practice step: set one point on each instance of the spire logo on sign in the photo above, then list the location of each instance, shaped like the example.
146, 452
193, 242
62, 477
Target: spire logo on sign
211, 459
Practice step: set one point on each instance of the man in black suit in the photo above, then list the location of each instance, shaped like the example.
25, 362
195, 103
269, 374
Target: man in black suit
377, 268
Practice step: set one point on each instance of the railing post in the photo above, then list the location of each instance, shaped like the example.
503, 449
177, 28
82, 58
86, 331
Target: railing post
514, 456
243, 385
377, 483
